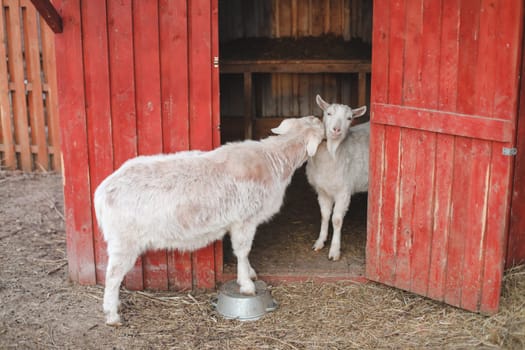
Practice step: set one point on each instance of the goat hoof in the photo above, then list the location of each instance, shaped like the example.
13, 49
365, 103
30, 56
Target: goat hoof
334, 256
114, 322
247, 288
318, 246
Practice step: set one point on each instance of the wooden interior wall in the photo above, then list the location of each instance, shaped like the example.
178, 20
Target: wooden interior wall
295, 18
289, 95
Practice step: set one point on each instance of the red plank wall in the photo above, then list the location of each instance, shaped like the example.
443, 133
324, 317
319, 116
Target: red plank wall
134, 78
443, 107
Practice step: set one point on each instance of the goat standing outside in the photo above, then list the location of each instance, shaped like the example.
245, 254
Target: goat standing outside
188, 200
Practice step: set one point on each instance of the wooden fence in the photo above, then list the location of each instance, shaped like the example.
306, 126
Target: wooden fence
29, 136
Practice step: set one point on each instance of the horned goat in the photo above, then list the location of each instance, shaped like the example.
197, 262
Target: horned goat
188, 200
339, 168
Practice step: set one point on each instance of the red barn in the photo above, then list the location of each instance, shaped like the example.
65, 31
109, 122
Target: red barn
446, 203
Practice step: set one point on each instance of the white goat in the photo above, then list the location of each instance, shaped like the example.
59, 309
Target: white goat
339, 168
188, 200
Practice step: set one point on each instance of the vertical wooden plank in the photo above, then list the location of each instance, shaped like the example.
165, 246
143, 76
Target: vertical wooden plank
285, 18
6, 125
390, 181
346, 20
427, 92
200, 69
174, 75
49, 63
35, 103
508, 55
390, 205
16, 70
448, 65
496, 230
474, 240
516, 241
379, 94
216, 120
445, 144
180, 276
304, 97
317, 17
410, 23
468, 56
215, 103
175, 120
77, 203
396, 51
405, 207
303, 19
149, 121
248, 117
412, 53
508, 49
430, 49
285, 97
326, 20
440, 216
123, 110
336, 17
473, 255
486, 69
380, 43
463, 163
98, 110
423, 207
361, 88
459, 225
375, 201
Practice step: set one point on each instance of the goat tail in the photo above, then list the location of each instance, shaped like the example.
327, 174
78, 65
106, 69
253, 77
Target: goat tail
99, 201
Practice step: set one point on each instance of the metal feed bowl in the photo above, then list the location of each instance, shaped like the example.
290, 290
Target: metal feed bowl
231, 304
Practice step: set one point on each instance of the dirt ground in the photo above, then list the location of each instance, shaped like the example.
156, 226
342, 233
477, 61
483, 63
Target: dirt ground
41, 309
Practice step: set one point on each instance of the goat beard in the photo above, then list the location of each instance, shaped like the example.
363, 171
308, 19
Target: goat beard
332, 146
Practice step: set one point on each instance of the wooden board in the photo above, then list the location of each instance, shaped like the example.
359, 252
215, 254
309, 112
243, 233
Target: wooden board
73, 129
516, 244
98, 111
440, 185
175, 109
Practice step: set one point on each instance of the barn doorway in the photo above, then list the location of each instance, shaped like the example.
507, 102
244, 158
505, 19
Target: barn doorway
275, 56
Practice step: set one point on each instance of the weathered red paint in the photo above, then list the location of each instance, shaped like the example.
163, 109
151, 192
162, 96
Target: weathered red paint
137, 78
516, 243
440, 188
200, 112
98, 109
77, 199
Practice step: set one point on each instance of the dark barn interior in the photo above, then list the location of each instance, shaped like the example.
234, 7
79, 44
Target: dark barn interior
275, 57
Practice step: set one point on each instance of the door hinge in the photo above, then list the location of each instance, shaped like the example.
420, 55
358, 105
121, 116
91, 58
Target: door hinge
216, 62
510, 151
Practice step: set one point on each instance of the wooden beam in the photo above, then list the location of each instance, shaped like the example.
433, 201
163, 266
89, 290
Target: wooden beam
48, 12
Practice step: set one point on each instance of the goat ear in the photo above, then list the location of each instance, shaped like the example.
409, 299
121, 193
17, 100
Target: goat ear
312, 145
358, 112
283, 128
321, 103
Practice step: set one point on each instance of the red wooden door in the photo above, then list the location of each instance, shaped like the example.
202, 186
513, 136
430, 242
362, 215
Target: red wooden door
134, 77
443, 111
